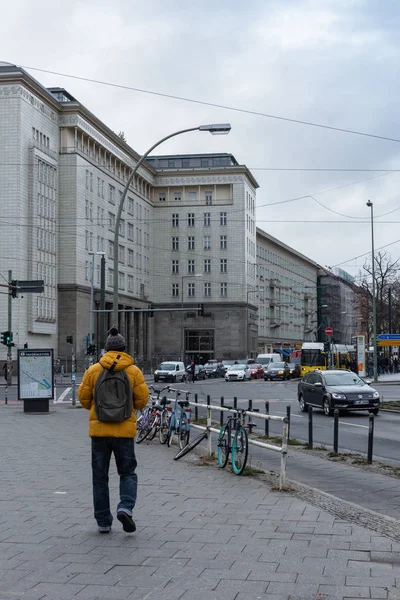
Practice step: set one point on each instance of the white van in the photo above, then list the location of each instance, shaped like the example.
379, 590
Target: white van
265, 359
170, 370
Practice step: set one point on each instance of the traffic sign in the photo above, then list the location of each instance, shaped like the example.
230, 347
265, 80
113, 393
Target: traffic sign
328, 330
383, 337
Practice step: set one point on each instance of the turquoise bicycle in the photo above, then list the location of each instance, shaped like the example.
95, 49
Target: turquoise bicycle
180, 420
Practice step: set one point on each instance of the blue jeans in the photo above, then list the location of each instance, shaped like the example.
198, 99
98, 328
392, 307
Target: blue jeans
124, 453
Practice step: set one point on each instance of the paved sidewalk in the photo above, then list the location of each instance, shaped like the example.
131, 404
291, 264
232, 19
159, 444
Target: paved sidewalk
202, 533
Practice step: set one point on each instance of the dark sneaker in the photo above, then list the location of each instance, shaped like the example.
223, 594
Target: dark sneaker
128, 524
105, 529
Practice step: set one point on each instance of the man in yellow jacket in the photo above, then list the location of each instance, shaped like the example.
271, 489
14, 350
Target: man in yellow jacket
114, 437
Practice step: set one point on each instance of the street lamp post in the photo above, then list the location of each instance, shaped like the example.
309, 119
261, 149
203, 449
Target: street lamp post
92, 293
182, 328
371, 206
215, 129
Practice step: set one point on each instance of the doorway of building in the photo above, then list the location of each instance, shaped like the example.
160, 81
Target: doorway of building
199, 345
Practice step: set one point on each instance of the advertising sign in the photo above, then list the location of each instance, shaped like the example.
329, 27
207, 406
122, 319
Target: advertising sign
35, 374
361, 355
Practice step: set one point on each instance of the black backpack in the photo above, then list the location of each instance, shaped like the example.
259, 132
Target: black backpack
113, 398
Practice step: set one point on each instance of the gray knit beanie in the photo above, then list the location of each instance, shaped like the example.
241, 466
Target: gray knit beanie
115, 341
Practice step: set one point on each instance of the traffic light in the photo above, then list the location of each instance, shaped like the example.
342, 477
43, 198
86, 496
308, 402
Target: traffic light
4, 337
200, 310
14, 290
70, 339
326, 346
25, 346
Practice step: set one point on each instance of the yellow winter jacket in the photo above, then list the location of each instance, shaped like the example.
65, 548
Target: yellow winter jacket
125, 429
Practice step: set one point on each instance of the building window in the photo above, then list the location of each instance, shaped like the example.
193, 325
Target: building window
190, 219
87, 242
175, 220
91, 211
175, 243
121, 280
175, 267
111, 194
223, 242
185, 162
161, 197
110, 249
91, 182
130, 283
121, 254
87, 179
99, 186
98, 274
207, 219
171, 163
102, 217
130, 257
131, 205
207, 290
111, 221
207, 242
177, 196
224, 290
208, 198
207, 265
192, 196
102, 188
121, 228
175, 290
223, 265
191, 290
87, 269
190, 266
130, 231
87, 209
110, 277
204, 162
222, 218
190, 242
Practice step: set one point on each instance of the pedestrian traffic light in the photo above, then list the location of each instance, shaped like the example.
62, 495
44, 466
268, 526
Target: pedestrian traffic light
70, 339
200, 310
4, 337
326, 346
25, 346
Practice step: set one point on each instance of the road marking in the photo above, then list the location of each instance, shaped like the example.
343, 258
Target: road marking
65, 393
354, 424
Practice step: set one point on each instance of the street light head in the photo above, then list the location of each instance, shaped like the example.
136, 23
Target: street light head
216, 128
369, 204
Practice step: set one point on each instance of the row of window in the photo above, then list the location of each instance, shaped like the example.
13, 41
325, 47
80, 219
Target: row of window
206, 219
223, 242
191, 266
142, 262
250, 203
46, 174
177, 196
207, 288
47, 273
40, 137
46, 308
46, 207
45, 240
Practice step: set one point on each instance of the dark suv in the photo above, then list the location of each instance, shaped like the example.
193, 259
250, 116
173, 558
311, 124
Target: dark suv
336, 389
214, 368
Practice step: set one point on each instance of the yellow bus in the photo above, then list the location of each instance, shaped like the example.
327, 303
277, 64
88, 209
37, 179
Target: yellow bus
314, 357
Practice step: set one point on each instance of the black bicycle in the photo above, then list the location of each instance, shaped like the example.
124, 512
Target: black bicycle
233, 440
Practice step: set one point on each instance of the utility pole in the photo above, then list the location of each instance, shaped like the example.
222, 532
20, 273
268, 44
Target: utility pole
9, 347
390, 316
374, 328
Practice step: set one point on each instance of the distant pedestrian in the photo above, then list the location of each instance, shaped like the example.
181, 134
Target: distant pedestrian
5, 371
192, 371
395, 364
113, 389
370, 366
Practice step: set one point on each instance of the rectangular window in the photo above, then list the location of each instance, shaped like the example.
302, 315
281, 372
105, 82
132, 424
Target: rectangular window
190, 266
87, 242
121, 254
130, 283
177, 196
130, 231
190, 219
175, 220
191, 290
207, 290
111, 194
192, 196
91, 241
223, 242
110, 249
207, 265
207, 242
121, 280
130, 205
204, 162
98, 186
190, 242
91, 182
171, 164
110, 277
130, 258
223, 265
87, 179
111, 221
207, 219
175, 290
122, 228
175, 243
175, 267
185, 162
91, 211
161, 197
222, 218
98, 274
224, 290
102, 188
87, 209
209, 198
87, 268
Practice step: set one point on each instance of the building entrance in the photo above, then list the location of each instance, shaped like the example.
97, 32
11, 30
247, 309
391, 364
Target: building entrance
199, 345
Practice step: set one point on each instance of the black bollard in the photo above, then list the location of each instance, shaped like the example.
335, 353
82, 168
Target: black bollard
221, 414
196, 410
288, 423
235, 402
336, 430
370, 438
250, 405
266, 430
310, 427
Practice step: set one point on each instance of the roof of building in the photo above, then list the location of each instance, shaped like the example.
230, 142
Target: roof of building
274, 240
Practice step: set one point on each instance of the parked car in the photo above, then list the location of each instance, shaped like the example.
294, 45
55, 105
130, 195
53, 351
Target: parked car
170, 371
199, 372
295, 370
214, 368
336, 389
256, 371
227, 364
276, 370
238, 373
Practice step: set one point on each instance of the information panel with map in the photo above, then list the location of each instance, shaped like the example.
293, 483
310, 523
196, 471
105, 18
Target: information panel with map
35, 374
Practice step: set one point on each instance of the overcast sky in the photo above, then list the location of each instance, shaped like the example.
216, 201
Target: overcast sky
333, 62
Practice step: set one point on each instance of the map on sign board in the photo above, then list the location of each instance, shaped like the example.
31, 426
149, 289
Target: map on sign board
35, 374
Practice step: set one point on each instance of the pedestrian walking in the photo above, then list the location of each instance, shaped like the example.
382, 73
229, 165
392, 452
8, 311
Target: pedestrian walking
113, 389
192, 371
395, 364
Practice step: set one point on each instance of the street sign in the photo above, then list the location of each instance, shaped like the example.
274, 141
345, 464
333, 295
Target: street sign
35, 286
388, 337
388, 343
328, 330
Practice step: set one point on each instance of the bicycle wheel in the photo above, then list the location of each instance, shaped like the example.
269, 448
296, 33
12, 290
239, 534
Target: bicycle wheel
143, 429
240, 448
186, 449
223, 446
184, 430
164, 427
154, 428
